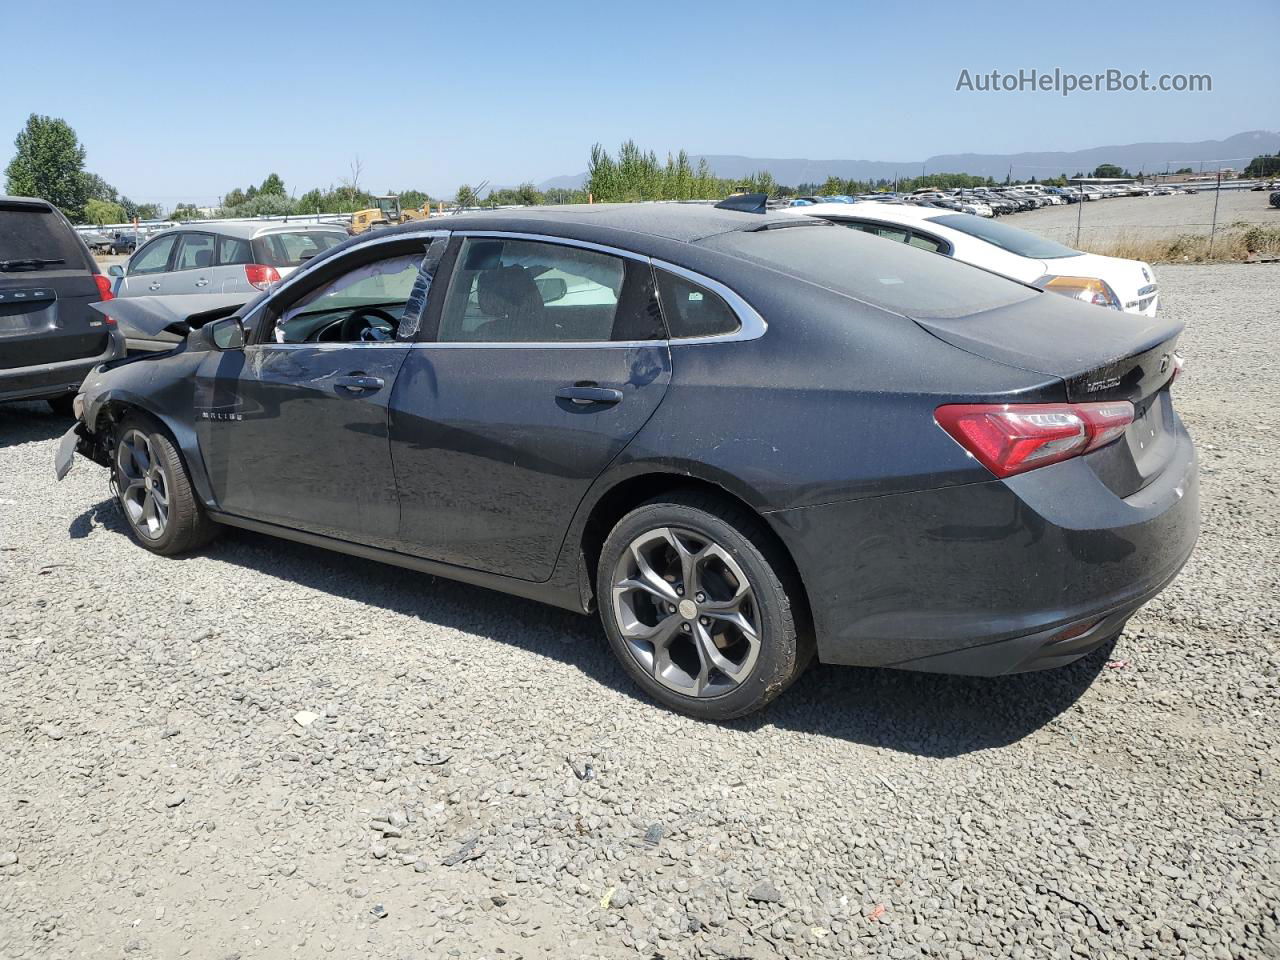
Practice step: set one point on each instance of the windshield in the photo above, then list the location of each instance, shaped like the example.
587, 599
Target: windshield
1017, 241
291, 249
33, 233
895, 276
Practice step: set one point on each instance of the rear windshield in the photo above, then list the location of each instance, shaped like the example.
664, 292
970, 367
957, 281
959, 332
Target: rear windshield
891, 275
293, 249
29, 232
1005, 237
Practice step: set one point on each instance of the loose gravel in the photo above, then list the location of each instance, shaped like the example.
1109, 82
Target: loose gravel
268, 751
1147, 218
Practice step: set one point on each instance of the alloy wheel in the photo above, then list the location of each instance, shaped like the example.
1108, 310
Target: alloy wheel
686, 611
142, 485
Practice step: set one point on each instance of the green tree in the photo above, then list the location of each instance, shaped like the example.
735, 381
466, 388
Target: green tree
1184, 170
103, 211
273, 185
602, 175
234, 198
1108, 170
528, 194
48, 163
412, 199
466, 196
1267, 165
97, 188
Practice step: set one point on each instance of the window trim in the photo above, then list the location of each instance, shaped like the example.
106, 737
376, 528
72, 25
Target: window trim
751, 325
945, 247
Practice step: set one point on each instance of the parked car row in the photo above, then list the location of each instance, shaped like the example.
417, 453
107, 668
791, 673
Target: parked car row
997, 201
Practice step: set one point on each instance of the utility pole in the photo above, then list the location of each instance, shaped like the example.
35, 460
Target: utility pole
1214, 226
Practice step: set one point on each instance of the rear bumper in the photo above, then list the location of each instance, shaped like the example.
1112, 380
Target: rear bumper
55, 379
987, 578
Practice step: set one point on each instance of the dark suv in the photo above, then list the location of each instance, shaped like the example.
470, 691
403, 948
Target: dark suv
49, 335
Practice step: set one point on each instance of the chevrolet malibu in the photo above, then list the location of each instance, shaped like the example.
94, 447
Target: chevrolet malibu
746, 439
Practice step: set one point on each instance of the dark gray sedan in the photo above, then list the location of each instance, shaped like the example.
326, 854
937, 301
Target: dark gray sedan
746, 439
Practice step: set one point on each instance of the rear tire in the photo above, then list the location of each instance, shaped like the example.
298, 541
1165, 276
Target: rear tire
154, 491
700, 606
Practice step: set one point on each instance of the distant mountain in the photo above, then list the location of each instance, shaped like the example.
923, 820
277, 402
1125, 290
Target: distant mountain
1150, 157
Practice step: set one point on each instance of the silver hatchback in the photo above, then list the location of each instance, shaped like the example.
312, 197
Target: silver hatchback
217, 258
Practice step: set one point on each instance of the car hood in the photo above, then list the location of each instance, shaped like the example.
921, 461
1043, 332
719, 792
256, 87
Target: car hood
178, 314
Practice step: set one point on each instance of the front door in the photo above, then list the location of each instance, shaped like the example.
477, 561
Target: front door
546, 360
293, 428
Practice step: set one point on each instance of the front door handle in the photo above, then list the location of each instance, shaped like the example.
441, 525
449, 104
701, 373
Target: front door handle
202, 282
154, 286
584, 395
358, 383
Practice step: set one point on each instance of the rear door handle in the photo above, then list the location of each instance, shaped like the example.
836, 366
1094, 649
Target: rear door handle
586, 395
154, 286
202, 282
359, 383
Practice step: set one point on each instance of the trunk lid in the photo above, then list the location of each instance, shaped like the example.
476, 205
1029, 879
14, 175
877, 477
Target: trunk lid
44, 306
1099, 354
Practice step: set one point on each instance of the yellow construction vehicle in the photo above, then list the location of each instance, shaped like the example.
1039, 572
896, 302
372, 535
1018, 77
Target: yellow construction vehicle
387, 213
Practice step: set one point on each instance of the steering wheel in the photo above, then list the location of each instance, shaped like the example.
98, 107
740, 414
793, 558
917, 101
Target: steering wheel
353, 326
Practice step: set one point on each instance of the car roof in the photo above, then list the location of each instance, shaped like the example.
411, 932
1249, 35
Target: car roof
249, 229
903, 213
684, 222
25, 202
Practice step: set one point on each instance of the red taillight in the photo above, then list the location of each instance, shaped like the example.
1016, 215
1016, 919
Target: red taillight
104, 287
260, 276
1011, 438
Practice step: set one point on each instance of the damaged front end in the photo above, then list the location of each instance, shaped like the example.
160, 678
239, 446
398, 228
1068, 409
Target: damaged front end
154, 383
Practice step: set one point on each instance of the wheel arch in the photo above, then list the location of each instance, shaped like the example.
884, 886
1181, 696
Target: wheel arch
623, 494
114, 406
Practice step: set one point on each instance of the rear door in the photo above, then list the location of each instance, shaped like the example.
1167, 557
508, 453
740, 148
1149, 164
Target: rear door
46, 286
193, 264
544, 360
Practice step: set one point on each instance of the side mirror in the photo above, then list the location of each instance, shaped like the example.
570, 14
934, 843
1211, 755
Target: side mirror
226, 334
115, 270
551, 289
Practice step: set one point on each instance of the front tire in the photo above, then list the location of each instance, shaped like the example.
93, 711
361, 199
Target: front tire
700, 606
154, 492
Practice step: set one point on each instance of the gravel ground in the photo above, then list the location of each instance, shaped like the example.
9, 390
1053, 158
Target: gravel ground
1146, 217
267, 751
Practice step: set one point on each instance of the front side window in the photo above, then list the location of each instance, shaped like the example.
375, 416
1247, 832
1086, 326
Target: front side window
195, 252
367, 304
527, 291
691, 310
154, 257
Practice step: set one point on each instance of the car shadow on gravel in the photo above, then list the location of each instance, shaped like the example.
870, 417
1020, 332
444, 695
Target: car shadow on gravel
918, 713
30, 422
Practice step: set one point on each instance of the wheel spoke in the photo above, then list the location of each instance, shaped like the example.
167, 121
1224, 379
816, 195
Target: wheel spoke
711, 657
648, 579
659, 634
688, 563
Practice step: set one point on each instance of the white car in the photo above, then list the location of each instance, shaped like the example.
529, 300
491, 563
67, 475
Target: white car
1128, 285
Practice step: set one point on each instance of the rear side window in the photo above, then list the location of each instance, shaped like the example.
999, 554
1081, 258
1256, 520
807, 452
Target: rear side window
232, 250
35, 233
196, 252
691, 310
890, 275
293, 249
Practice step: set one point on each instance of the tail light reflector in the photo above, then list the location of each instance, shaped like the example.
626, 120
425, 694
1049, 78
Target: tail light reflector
104, 293
261, 276
1010, 438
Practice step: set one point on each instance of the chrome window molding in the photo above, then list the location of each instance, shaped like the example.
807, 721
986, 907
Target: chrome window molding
751, 326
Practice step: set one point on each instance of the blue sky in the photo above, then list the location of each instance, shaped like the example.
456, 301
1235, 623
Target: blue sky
181, 102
